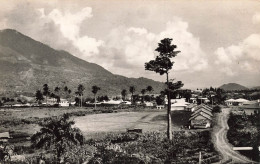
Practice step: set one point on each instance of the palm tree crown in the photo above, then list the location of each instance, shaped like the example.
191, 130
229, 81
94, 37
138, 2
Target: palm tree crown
57, 134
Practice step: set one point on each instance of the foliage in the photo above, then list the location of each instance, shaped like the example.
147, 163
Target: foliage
79, 92
244, 131
153, 147
162, 65
132, 90
123, 93
39, 96
57, 135
216, 109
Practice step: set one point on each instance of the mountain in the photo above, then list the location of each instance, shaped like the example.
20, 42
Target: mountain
256, 87
26, 64
232, 87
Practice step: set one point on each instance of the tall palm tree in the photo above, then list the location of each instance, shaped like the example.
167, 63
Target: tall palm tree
79, 92
143, 92
149, 89
123, 93
132, 90
57, 134
95, 89
46, 91
57, 90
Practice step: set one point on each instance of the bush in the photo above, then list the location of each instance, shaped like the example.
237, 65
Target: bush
216, 109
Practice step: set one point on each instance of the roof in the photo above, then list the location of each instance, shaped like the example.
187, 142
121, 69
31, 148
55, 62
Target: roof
230, 100
191, 105
241, 100
251, 106
202, 110
203, 106
201, 114
4, 135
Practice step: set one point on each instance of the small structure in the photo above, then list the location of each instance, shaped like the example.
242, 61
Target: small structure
4, 137
160, 107
178, 104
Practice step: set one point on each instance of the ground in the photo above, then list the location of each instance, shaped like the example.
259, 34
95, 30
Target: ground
220, 139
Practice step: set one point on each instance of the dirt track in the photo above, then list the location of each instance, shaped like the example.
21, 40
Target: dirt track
221, 142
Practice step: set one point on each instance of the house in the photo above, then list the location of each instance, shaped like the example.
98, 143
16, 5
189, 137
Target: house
202, 106
200, 120
4, 136
201, 116
178, 104
160, 107
229, 102
251, 108
150, 104
236, 102
204, 110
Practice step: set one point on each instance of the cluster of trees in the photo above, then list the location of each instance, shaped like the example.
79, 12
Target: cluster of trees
57, 93
63, 92
135, 98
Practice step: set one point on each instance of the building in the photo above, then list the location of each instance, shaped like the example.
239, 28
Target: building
178, 104
201, 117
251, 108
4, 137
236, 102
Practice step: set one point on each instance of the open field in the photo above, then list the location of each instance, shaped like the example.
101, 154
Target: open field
24, 120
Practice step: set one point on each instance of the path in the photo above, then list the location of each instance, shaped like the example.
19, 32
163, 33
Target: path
221, 142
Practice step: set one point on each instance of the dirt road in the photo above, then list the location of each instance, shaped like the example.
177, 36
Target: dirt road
221, 142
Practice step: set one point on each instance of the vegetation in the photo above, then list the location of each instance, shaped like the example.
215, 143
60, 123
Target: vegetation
39, 96
132, 90
57, 135
154, 147
162, 65
123, 93
95, 89
245, 131
79, 92
46, 91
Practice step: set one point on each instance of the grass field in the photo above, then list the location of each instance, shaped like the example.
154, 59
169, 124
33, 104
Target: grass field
92, 125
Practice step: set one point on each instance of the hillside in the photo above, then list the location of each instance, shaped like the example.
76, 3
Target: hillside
232, 87
26, 64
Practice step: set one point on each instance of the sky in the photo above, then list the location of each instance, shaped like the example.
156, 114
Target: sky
219, 40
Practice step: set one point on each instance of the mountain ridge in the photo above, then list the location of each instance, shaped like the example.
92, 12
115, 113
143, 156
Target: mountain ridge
232, 87
27, 64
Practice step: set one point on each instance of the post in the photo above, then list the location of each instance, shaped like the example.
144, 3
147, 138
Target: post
200, 158
169, 128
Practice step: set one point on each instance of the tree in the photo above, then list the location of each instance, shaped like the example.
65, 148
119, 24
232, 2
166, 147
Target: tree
132, 90
57, 134
143, 92
149, 89
123, 93
46, 91
38, 96
79, 92
95, 89
57, 90
162, 65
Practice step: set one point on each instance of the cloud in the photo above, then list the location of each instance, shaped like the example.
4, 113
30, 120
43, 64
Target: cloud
256, 18
70, 24
133, 46
243, 57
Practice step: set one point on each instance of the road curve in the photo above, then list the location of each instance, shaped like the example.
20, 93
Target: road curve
221, 142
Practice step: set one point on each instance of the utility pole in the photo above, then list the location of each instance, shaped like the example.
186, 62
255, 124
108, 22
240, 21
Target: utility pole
200, 158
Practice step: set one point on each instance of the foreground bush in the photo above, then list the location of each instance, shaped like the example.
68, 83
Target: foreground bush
154, 147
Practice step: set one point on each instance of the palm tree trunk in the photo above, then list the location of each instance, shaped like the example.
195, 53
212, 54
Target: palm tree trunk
169, 120
95, 100
81, 101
